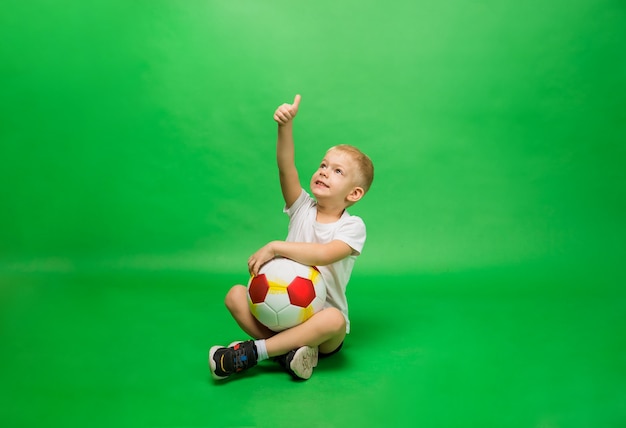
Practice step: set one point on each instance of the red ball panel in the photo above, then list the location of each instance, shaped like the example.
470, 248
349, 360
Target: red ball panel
258, 288
301, 292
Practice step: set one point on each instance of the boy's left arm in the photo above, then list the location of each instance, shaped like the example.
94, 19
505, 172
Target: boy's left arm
302, 252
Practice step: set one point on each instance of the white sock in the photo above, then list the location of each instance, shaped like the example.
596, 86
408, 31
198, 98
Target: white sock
261, 350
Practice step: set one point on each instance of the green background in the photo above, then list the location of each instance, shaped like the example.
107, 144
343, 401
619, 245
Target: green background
137, 174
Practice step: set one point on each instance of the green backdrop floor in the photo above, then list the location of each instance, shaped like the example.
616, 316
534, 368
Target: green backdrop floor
449, 350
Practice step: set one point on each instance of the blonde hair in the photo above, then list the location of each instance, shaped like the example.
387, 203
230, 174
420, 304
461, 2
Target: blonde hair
365, 167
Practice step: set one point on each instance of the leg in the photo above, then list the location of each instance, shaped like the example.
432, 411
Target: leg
237, 303
242, 355
326, 330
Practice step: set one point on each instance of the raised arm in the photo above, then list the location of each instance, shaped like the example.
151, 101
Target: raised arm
285, 151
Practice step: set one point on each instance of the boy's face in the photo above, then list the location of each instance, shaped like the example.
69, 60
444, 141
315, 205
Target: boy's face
336, 178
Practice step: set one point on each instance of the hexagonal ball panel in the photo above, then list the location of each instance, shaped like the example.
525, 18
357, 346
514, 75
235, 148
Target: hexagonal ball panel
258, 288
301, 292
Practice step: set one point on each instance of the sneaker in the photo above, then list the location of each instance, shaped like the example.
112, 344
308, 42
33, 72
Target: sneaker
237, 357
299, 362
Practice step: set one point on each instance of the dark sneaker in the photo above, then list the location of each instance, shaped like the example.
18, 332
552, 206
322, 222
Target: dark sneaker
300, 362
226, 361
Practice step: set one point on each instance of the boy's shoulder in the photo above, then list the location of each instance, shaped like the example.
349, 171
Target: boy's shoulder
353, 219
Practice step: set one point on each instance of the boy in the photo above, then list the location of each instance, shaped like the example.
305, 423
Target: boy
321, 233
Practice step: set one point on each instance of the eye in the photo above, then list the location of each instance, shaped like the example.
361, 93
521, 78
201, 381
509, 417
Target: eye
338, 171
323, 166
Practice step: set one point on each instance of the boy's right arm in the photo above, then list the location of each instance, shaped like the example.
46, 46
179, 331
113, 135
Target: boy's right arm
285, 152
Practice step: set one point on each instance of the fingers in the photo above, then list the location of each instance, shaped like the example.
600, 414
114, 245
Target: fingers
283, 114
287, 112
253, 266
251, 263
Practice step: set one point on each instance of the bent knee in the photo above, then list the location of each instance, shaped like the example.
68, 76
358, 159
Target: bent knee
335, 320
235, 297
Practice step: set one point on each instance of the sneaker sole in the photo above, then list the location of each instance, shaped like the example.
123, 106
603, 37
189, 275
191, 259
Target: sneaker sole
212, 364
303, 362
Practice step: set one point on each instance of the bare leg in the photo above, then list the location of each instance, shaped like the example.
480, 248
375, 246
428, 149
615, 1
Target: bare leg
237, 303
326, 329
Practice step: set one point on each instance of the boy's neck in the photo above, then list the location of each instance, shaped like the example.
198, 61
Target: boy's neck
328, 214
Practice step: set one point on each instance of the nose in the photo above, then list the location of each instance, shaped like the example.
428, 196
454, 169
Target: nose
323, 173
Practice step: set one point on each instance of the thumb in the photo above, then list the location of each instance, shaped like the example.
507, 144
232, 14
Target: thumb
296, 101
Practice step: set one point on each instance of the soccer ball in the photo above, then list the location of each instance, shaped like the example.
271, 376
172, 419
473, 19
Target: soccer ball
286, 293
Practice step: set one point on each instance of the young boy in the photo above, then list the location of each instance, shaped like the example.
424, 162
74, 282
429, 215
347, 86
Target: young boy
321, 233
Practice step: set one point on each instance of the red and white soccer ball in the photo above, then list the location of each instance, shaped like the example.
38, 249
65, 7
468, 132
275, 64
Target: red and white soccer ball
286, 293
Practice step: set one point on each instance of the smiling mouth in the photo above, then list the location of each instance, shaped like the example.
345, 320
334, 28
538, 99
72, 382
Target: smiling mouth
321, 183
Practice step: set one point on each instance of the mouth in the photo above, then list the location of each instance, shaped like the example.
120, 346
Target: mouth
320, 183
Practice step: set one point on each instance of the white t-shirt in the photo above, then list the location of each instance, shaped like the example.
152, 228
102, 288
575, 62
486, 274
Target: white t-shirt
303, 227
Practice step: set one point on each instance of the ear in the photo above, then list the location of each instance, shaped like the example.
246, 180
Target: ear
355, 194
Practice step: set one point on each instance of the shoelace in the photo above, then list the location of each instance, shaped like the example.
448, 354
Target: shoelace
240, 358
